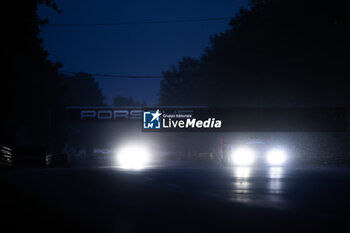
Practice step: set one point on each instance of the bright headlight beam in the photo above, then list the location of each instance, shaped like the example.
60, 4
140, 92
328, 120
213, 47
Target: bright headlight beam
133, 157
243, 157
276, 157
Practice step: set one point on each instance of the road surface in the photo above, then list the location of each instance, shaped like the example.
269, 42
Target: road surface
178, 198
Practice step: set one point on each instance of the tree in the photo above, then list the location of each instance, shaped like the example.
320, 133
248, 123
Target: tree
277, 53
124, 101
81, 90
181, 84
29, 96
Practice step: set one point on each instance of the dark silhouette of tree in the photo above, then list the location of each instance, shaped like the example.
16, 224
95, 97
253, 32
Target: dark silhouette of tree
33, 95
277, 53
182, 85
81, 90
127, 101
29, 95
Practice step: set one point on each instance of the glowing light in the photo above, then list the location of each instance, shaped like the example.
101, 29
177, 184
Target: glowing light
242, 184
276, 157
275, 183
242, 172
275, 173
243, 157
133, 157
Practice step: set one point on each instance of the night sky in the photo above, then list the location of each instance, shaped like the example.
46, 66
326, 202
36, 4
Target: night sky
131, 49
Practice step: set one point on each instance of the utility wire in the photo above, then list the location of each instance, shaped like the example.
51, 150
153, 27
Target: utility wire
113, 75
136, 23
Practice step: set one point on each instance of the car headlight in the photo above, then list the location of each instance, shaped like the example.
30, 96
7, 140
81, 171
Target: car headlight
133, 157
243, 157
276, 157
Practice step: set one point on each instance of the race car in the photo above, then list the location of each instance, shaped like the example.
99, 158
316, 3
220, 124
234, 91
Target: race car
256, 153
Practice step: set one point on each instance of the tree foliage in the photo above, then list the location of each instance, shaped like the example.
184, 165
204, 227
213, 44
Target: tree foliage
33, 94
81, 90
29, 80
127, 101
276, 53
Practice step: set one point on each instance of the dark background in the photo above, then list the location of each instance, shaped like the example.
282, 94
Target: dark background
273, 54
131, 49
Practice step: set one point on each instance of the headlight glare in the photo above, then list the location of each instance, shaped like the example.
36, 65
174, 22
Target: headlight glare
276, 157
243, 157
133, 157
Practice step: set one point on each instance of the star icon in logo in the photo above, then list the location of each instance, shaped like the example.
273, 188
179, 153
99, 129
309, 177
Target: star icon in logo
156, 115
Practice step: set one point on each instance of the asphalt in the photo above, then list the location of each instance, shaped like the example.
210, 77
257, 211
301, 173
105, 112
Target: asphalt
176, 198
